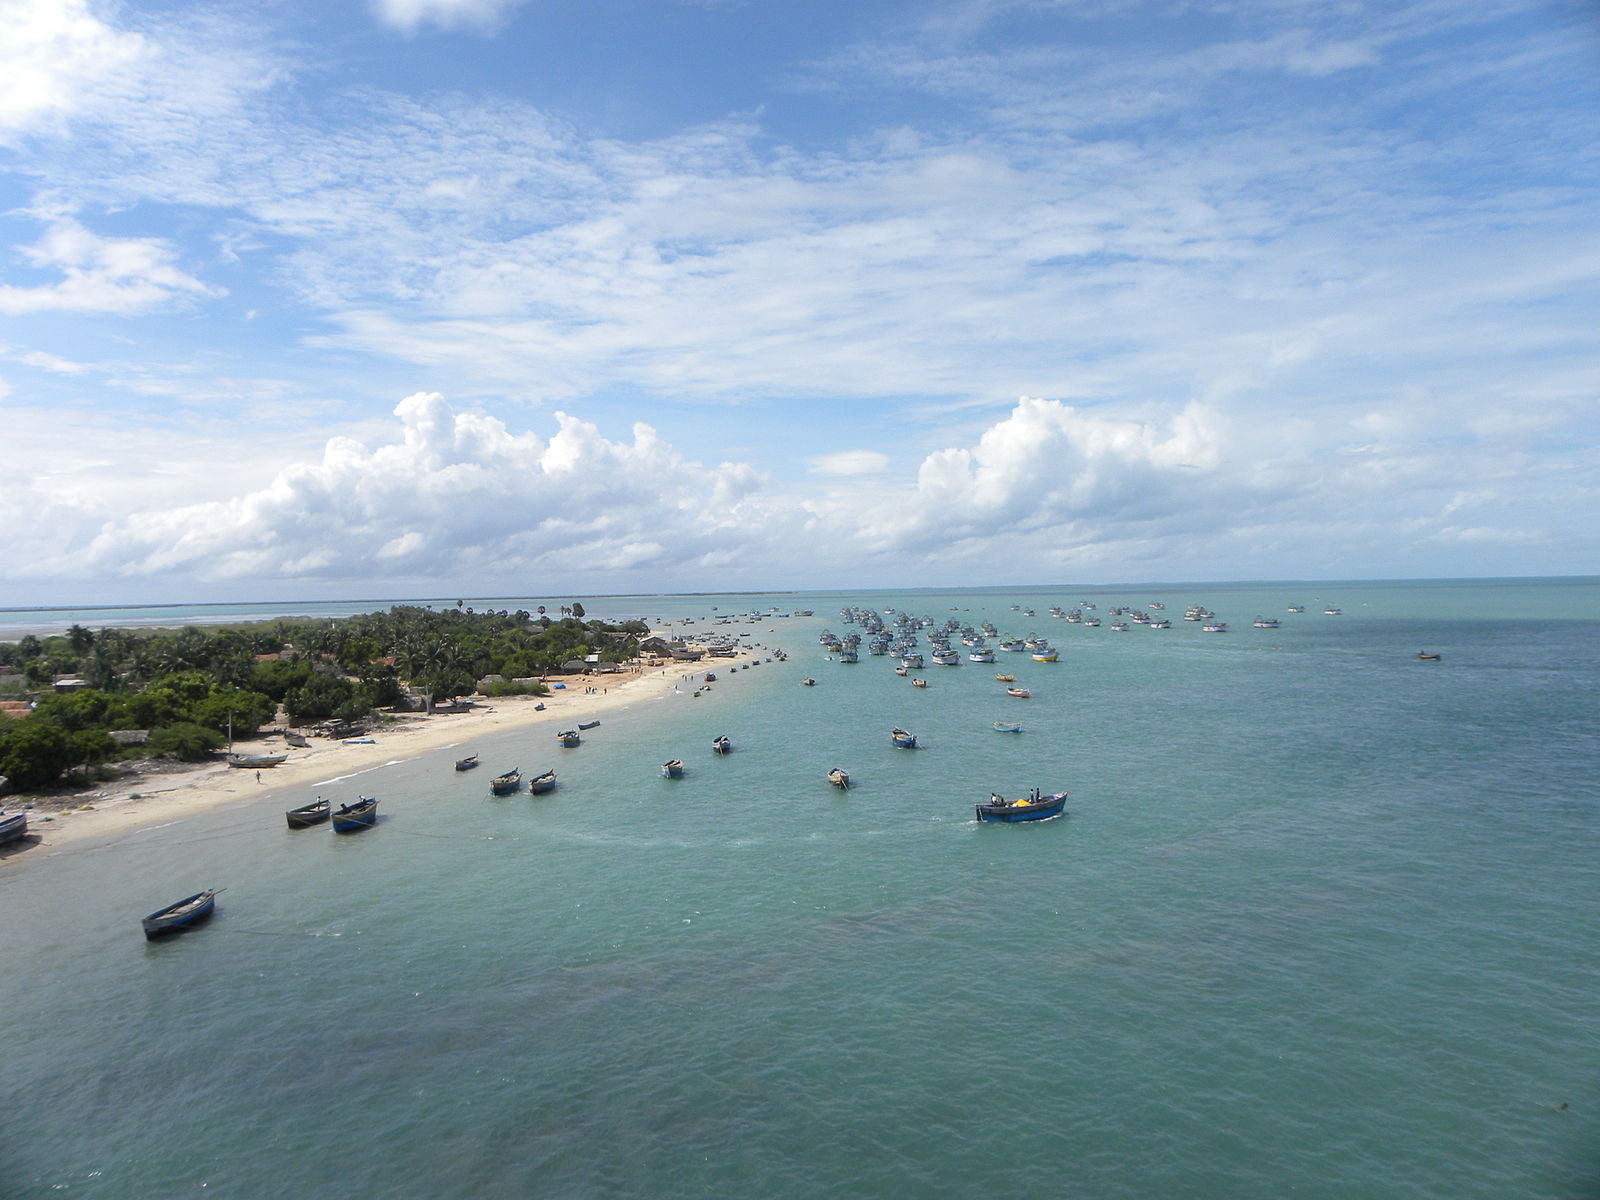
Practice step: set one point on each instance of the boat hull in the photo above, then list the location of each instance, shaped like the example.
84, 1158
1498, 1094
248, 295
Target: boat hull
185, 914
308, 815
355, 817
1050, 806
13, 828
541, 785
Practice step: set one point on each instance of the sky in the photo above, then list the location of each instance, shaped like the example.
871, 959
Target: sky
488, 297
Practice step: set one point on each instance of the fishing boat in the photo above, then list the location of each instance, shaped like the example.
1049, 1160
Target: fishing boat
1035, 807
12, 826
1044, 654
504, 785
981, 655
903, 740
467, 763
912, 662
349, 818
1331, 611
256, 761
588, 724
839, 777
1019, 693
1266, 623
919, 683
1006, 678
1214, 627
1007, 726
297, 740
569, 737
306, 815
1296, 608
1422, 654
672, 769
710, 677
808, 682
540, 784
185, 914
721, 745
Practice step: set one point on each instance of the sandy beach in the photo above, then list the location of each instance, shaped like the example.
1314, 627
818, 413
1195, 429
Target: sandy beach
142, 799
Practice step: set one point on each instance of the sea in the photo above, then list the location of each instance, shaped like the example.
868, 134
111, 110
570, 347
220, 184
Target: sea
1320, 919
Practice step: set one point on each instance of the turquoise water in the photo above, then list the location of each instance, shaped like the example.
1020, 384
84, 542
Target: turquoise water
1320, 921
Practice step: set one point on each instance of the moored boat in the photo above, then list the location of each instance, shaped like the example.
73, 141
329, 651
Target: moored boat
809, 682
1422, 654
1035, 807
185, 914
903, 740
12, 826
540, 784
1019, 693
1006, 678
1007, 727
308, 814
504, 785
588, 724
721, 745
839, 777
467, 763
349, 818
1044, 654
569, 737
672, 769
919, 683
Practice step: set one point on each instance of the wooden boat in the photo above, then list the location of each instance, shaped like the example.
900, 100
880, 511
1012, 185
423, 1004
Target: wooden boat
839, 777
540, 784
297, 740
588, 724
921, 683
185, 914
467, 763
721, 745
349, 818
1019, 693
1426, 657
1006, 678
306, 815
710, 677
12, 826
504, 785
1044, 654
568, 738
256, 761
809, 682
1035, 807
902, 739
672, 769
1008, 726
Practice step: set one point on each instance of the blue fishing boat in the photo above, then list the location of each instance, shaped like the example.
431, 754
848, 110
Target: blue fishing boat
588, 724
350, 818
504, 785
185, 914
839, 777
903, 740
568, 738
1008, 726
250, 762
1035, 807
721, 745
307, 815
467, 763
672, 769
13, 826
540, 784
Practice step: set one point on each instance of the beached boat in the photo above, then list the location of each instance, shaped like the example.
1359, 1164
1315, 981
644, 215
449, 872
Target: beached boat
504, 785
540, 784
588, 724
1019, 693
256, 761
185, 914
569, 737
839, 777
306, 815
467, 763
349, 818
721, 745
903, 740
297, 740
1007, 727
672, 769
12, 826
1034, 807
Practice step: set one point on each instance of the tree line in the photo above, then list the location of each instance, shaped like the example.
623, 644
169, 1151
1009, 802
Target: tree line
193, 687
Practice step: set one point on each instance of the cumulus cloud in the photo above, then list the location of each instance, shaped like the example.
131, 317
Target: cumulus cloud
411, 15
100, 274
454, 495
52, 52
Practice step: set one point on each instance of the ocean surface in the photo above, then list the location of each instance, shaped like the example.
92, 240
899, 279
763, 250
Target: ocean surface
1321, 920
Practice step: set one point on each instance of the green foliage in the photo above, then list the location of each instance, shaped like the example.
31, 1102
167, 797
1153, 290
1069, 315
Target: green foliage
277, 676
508, 687
319, 697
83, 709
185, 741
34, 752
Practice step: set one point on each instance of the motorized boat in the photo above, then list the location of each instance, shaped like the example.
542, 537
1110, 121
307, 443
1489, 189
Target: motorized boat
504, 785
467, 763
839, 777
568, 738
349, 818
1044, 654
672, 769
1034, 807
306, 815
185, 914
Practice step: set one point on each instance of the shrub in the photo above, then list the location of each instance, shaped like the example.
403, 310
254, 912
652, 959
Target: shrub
185, 741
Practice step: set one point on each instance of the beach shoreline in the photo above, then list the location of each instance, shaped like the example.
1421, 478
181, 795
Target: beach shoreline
142, 799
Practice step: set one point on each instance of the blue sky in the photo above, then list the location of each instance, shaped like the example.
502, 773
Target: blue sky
482, 297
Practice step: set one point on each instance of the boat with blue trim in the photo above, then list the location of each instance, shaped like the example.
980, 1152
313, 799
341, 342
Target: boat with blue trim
185, 914
350, 818
1034, 807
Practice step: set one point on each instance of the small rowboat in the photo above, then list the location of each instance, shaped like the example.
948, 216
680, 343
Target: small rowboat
588, 724
1008, 726
809, 682
306, 815
1035, 807
839, 777
1426, 657
919, 683
351, 818
256, 761
467, 763
721, 745
568, 738
672, 769
1006, 678
504, 785
296, 739
13, 826
1019, 693
540, 784
903, 740
185, 914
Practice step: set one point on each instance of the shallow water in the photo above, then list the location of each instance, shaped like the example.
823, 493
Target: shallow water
1319, 921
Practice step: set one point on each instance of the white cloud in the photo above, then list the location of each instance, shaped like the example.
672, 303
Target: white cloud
849, 462
100, 274
51, 53
411, 15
